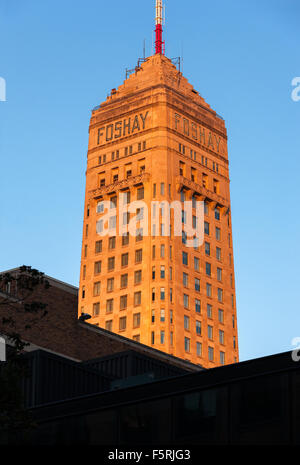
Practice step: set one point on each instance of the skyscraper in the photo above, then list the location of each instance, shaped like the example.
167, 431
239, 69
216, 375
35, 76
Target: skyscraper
154, 144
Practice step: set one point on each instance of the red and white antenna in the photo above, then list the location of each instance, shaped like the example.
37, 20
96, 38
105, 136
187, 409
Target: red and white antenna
159, 20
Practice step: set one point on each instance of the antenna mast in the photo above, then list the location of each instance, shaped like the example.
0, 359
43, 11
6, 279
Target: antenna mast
158, 28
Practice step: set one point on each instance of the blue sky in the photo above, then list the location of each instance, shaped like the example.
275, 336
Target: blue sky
60, 58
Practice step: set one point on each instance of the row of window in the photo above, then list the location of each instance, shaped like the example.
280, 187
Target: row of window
196, 157
110, 303
115, 155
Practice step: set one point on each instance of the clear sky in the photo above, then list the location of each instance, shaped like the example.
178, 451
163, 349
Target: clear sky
60, 58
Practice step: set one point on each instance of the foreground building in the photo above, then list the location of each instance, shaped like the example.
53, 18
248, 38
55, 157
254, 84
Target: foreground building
253, 402
153, 142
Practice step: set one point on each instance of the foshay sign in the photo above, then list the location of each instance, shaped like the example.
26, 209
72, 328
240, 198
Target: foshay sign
197, 133
122, 128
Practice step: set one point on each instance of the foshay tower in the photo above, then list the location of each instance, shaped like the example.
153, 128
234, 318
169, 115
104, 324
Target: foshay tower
154, 140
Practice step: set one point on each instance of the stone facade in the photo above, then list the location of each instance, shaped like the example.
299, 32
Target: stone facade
156, 139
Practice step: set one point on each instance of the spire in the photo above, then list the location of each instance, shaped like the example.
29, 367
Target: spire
158, 28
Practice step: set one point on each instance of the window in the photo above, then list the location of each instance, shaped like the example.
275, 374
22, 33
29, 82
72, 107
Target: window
153, 273
206, 228
136, 320
186, 301
111, 264
109, 306
198, 328
98, 247
171, 338
112, 222
99, 227
171, 273
171, 317
153, 316
138, 256
197, 284
210, 332
185, 280
216, 185
171, 295
162, 293
196, 264
209, 311
123, 302
162, 251
126, 218
207, 249
153, 252
83, 292
124, 281
206, 210
221, 336
126, 195
110, 284
154, 191
185, 260
125, 239
233, 321
184, 237
221, 315
112, 243
97, 287
85, 250
208, 290
208, 269
139, 235
96, 309
124, 259
198, 306
222, 358
152, 337
234, 342
162, 316
138, 277
83, 275
137, 298
153, 294
140, 193
187, 344
87, 230
109, 325
218, 234
211, 354
140, 214
199, 349
217, 214
220, 295
122, 323
186, 323
162, 337
162, 188
100, 207
218, 253
162, 272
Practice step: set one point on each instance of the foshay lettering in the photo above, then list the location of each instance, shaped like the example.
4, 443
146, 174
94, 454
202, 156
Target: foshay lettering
198, 133
122, 128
